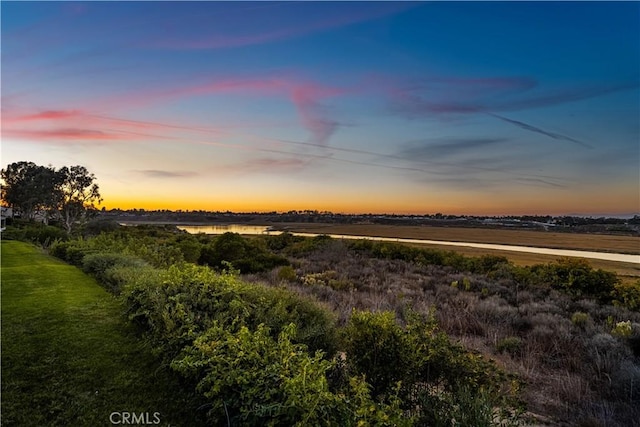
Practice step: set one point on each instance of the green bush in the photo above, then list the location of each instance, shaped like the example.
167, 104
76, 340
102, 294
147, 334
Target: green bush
190, 248
98, 226
489, 263
35, 233
628, 295
13, 233
376, 348
511, 345
287, 273
282, 241
119, 276
622, 329
176, 305
327, 278
424, 361
72, 251
102, 264
252, 378
577, 278
245, 255
428, 256
463, 407
305, 245
580, 319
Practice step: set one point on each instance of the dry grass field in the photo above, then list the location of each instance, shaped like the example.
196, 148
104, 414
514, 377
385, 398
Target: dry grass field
590, 242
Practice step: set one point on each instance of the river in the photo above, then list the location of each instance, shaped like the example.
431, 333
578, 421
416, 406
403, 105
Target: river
255, 229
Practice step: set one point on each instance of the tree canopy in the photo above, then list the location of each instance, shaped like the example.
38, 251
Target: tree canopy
66, 194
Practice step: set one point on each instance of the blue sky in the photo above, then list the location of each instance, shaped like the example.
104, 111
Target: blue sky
456, 107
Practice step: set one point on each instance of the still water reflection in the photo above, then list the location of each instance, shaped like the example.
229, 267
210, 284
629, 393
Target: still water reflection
226, 228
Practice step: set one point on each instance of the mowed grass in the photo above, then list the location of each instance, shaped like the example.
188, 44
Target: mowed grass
69, 357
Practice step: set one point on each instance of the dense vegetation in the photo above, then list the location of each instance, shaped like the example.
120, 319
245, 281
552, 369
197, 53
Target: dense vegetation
285, 330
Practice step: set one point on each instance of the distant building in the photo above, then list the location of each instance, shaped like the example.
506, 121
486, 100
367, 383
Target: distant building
4, 214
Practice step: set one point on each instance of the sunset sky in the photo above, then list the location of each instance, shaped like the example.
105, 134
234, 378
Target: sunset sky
453, 107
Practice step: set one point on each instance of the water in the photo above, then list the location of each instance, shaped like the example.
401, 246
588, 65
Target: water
263, 229
227, 228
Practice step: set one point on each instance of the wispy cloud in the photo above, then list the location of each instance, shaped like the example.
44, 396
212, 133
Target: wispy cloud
561, 96
429, 150
305, 23
306, 96
49, 115
471, 163
445, 95
535, 129
441, 97
313, 115
270, 164
538, 182
62, 135
156, 173
74, 125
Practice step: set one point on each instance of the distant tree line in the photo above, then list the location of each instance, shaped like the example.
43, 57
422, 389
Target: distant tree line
65, 195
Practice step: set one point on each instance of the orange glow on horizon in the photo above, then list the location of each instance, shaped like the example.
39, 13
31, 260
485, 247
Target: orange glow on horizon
464, 206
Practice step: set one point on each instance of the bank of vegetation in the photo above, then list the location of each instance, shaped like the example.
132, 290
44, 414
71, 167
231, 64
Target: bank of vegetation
285, 330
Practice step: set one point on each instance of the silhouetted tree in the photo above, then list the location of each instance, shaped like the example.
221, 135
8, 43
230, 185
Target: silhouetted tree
30, 189
69, 193
76, 195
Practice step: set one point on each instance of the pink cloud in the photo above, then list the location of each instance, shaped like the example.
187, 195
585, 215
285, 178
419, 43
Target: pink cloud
313, 117
50, 115
62, 134
74, 125
304, 95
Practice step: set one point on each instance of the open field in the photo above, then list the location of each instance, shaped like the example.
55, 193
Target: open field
591, 242
69, 358
587, 242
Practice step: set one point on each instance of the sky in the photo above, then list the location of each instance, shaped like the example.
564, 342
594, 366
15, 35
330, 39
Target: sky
475, 108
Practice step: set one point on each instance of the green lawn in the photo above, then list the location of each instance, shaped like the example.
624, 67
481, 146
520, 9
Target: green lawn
69, 357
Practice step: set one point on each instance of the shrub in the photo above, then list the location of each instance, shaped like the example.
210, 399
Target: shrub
622, 329
282, 241
463, 407
101, 265
628, 295
44, 234
118, 276
255, 379
190, 248
287, 273
176, 305
423, 360
327, 278
248, 257
13, 233
252, 378
488, 263
308, 244
72, 251
577, 278
97, 226
511, 345
35, 233
376, 348
580, 319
